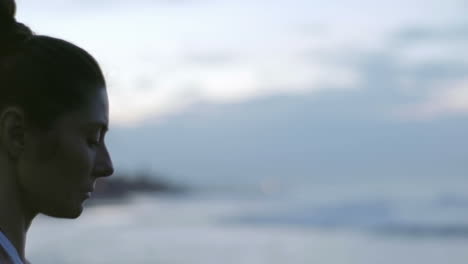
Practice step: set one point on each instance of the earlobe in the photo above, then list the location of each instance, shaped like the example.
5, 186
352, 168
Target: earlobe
12, 130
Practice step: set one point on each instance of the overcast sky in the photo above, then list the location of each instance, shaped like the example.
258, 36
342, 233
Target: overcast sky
217, 87
164, 56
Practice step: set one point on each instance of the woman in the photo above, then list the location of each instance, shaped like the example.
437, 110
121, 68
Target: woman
53, 120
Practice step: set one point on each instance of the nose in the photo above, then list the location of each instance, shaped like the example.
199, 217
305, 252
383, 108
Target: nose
103, 166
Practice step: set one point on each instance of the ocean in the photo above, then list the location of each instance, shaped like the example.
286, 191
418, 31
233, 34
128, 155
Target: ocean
367, 222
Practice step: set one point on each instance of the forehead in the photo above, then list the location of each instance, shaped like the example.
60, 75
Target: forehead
95, 110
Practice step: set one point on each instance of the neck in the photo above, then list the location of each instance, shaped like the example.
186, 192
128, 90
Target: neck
15, 218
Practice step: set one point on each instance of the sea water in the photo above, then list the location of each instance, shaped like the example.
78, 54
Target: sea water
368, 222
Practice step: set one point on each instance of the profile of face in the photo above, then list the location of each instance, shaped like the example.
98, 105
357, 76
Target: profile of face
57, 169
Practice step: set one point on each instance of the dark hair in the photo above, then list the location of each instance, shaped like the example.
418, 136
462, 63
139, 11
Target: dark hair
45, 76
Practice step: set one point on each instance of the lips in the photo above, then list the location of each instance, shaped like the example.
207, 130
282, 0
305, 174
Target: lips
85, 195
88, 189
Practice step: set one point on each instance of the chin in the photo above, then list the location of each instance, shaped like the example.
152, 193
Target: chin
69, 212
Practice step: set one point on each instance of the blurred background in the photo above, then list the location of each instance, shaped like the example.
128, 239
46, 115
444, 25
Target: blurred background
271, 132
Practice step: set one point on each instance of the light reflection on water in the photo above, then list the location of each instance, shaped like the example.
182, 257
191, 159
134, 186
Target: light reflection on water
204, 229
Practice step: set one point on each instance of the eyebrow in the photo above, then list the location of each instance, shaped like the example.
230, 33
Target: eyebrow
100, 125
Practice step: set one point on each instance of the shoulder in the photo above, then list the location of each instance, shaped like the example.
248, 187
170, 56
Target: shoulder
4, 258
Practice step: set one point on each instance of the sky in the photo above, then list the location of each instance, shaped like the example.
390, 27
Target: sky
218, 87
163, 56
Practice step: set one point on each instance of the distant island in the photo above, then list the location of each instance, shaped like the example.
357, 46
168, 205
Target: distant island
123, 185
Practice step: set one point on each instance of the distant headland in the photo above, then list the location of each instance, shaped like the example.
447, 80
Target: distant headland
121, 186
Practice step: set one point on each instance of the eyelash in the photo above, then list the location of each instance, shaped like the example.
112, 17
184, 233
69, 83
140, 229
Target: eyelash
93, 143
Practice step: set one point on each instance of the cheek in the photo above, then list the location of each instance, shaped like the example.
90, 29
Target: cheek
72, 163
58, 167
51, 176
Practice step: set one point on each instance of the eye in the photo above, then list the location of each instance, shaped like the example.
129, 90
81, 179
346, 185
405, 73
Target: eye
94, 138
93, 142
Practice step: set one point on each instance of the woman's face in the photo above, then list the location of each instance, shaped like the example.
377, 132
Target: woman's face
58, 168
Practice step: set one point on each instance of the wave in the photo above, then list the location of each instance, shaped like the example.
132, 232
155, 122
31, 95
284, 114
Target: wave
376, 217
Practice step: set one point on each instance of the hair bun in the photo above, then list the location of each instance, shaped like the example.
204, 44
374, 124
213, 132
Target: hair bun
7, 15
12, 33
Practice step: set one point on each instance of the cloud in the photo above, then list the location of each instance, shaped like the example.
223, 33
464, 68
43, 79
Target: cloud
163, 57
452, 100
211, 58
178, 90
320, 136
433, 71
411, 35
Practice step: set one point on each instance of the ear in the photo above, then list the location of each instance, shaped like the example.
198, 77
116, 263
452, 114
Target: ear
12, 130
